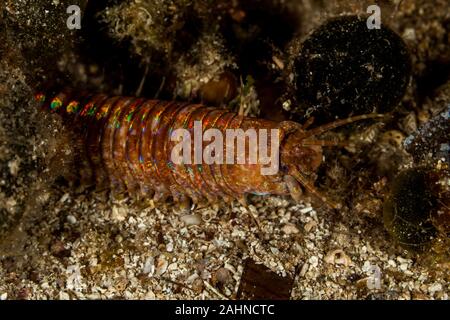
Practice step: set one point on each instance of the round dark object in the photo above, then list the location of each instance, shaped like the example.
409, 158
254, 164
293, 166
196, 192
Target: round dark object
344, 68
431, 142
409, 209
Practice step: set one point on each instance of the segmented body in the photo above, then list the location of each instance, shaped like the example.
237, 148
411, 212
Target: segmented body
128, 142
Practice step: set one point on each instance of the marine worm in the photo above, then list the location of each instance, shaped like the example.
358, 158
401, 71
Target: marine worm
129, 143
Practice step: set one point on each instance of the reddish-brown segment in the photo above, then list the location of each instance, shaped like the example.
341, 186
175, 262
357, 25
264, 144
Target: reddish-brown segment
128, 142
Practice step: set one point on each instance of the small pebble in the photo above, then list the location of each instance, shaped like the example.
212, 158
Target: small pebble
223, 275
118, 213
435, 287
14, 166
304, 269
161, 265
149, 266
409, 34
314, 261
172, 266
338, 256
310, 225
197, 285
64, 197
64, 296
305, 210
290, 229
191, 219
71, 219
150, 295
392, 263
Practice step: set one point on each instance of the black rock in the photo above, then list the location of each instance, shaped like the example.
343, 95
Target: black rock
344, 68
409, 209
432, 141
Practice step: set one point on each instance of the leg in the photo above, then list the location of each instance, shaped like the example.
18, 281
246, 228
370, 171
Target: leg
309, 186
340, 123
308, 123
294, 188
325, 143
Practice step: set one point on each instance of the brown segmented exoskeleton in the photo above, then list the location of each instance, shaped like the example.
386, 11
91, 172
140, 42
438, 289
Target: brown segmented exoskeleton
127, 141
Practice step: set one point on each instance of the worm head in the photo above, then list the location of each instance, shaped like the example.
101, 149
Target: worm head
301, 158
299, 155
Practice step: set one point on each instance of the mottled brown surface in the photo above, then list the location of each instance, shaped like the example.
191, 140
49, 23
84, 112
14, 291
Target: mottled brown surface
260, 283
